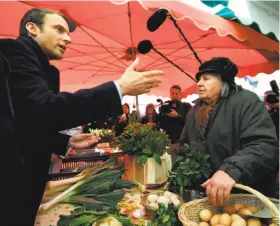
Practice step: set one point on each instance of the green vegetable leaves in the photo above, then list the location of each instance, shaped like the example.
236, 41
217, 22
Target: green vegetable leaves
167, 216
143, 140
190, 169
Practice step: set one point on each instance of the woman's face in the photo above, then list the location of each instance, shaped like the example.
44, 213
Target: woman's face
125, 109
150, 110
209, 87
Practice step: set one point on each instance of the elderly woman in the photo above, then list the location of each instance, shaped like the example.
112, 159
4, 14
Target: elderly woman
233, 126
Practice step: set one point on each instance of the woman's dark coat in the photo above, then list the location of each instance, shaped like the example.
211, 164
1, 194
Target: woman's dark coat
241, 140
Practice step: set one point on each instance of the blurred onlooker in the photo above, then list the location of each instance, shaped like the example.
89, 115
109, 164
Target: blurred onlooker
150, 116
172, 116
124, 119
272, 103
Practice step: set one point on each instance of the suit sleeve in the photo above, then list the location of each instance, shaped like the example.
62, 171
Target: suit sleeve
60, 143
259, 153
37, 106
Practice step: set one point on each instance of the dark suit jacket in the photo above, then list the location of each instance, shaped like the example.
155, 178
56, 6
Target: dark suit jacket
10, 154
41, 112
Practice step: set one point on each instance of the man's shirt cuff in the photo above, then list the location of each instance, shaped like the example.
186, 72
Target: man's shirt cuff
119, 90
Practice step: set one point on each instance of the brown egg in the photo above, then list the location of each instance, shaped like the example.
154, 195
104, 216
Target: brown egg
238, 206
235, 217
215, 219
229, 209
253, 209
225, 219
254, 222
205, 215
239, 222
203, 224
243, 212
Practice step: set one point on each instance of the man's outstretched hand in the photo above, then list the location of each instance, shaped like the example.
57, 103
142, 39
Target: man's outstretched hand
134, 83
82, 141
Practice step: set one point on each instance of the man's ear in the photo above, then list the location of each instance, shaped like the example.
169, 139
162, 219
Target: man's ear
32, 29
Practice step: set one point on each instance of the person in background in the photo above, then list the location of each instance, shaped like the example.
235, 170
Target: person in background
41, 111
173, 122
123, 120
150, 116
273, 109
232, 125
271, 100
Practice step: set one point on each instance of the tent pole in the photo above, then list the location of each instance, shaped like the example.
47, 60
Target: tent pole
137, 107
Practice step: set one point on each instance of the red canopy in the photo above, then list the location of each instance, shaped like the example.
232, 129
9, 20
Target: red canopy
109, 31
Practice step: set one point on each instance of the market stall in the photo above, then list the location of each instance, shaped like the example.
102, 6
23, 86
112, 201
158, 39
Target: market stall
135, 185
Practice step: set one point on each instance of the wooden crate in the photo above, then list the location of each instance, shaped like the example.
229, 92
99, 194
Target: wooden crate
150, 174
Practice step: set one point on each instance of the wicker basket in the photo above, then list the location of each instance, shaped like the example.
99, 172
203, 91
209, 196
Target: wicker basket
151, 210
189, 212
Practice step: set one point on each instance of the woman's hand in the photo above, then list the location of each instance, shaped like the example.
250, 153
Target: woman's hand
218, 187
81, 141
122, 119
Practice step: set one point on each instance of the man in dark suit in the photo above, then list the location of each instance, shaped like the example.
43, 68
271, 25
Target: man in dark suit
10, 154
40, 112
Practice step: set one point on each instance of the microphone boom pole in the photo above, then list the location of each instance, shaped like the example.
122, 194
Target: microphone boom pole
181, 32
146, 46
175, 65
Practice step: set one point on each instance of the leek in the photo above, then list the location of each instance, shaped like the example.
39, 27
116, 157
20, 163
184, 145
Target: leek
85, 173
87, 185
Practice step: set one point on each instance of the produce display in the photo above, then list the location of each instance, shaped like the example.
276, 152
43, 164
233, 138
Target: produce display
131, 205
86, 217
153, 200
99, 197
234, 215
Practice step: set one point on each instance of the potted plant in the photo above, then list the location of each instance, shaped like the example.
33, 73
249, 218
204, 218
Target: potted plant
144, 141
146, 162
189, 171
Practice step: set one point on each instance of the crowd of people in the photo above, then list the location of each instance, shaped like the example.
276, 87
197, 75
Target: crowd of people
229, 123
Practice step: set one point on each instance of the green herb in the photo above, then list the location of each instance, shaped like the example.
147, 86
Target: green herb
190, 169
167, 216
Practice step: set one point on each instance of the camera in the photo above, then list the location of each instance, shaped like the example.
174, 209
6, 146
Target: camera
272, 98
166, 106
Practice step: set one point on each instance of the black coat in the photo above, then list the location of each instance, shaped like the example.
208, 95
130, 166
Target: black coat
10, 154
174, 126
41, 112
155, 119
240, 139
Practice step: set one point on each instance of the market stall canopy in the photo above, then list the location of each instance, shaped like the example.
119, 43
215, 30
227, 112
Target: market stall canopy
262, 16
106, 39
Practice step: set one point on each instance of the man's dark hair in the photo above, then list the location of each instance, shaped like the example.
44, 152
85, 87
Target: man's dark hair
36, 16
176, 87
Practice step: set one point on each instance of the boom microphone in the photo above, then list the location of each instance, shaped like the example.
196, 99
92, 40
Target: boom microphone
157, 19
146, 46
